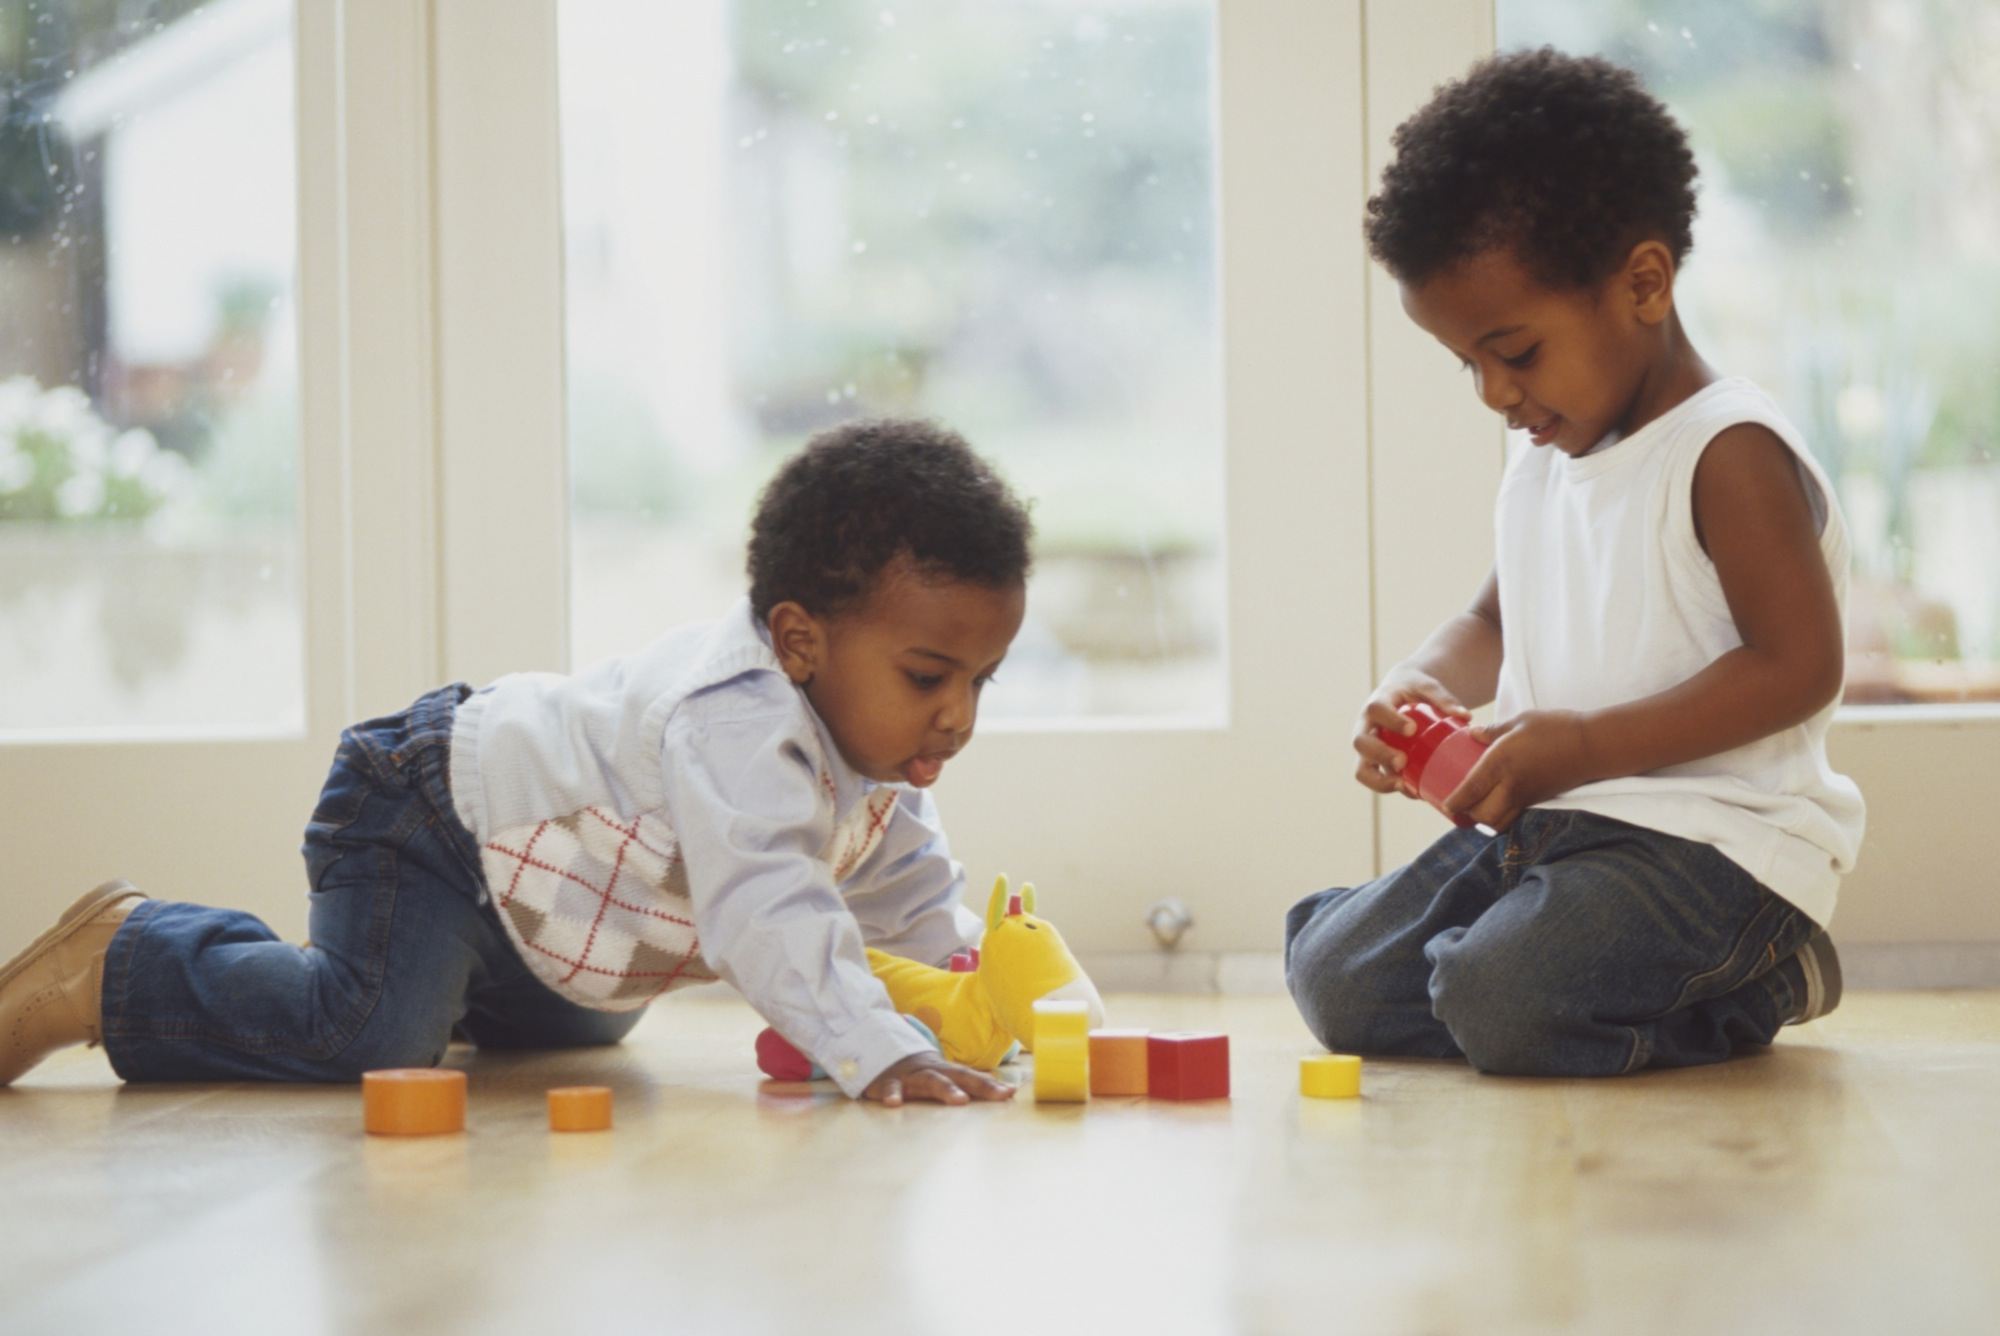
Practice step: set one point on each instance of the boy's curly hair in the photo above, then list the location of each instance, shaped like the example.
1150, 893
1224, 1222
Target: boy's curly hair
860, 495
1566, 160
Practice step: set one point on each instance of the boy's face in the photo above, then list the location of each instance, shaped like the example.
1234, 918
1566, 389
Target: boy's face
1569, 367
897, 679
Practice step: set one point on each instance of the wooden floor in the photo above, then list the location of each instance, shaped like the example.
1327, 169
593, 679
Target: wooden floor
1847, 1180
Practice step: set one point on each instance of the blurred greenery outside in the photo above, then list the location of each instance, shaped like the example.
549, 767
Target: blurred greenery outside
1002, 217
193, 449
1028, 228
148, 500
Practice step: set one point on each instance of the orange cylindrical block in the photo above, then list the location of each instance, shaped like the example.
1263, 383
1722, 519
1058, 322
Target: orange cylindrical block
412, 1101
1117, 1062
580, 1109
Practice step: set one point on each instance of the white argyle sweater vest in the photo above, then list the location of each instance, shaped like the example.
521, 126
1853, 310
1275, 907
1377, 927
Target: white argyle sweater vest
599, 907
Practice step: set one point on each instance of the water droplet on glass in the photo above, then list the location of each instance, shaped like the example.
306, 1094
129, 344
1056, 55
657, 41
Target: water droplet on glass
860, 247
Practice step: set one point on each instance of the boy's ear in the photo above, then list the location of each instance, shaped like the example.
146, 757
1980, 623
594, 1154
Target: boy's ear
799, 639
1648, 281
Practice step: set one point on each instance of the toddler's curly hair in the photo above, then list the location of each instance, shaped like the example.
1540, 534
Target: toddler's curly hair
864, 493
1567, 160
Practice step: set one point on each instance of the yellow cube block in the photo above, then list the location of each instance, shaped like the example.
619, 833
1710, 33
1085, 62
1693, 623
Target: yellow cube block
1118, 1062
1330, 1076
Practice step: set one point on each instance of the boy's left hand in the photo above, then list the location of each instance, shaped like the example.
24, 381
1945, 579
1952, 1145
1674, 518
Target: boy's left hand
1533, 756
926, 1076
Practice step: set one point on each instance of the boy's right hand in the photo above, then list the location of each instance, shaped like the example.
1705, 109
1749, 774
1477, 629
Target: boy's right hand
1381, 765
928, 1076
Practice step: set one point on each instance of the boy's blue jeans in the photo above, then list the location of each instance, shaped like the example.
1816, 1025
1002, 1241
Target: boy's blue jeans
1570, 945
405, 947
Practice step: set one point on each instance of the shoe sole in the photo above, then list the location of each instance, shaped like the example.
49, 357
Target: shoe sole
72, 922
1819, 967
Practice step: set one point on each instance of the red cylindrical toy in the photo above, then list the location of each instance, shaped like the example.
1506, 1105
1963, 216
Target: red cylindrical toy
1438, 756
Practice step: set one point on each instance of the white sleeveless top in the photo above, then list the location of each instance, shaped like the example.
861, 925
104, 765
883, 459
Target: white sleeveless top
1606, 596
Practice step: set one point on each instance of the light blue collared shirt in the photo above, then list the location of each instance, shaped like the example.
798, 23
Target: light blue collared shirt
701, 743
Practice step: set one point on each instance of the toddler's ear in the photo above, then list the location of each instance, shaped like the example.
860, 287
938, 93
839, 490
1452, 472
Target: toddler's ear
798, 640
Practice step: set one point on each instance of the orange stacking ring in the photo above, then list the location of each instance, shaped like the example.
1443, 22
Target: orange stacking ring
580, 1109
412, 1102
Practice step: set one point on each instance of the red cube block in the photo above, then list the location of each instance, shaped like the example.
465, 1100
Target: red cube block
1187, 1066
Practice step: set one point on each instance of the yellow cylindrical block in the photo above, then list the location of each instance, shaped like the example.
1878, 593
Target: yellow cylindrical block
1062, 1070
580, 1109
1330, 1076
412, 1102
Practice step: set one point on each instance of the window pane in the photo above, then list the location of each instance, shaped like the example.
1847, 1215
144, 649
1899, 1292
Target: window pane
1846, 257
148, 368
781, 216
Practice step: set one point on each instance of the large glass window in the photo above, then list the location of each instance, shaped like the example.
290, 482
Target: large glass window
782, 215
1847, 257
148, 368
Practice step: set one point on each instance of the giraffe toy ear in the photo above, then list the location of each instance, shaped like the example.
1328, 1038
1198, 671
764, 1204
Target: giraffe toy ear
996, 906
1027, 897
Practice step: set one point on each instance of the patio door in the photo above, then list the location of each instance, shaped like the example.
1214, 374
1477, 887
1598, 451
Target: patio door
1114, 248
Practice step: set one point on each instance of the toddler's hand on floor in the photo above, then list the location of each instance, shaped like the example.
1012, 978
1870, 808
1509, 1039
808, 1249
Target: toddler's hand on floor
1533, 756
927, 1076
1381, 765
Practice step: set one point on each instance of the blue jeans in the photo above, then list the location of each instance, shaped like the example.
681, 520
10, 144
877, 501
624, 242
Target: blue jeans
1570, 945
406, 947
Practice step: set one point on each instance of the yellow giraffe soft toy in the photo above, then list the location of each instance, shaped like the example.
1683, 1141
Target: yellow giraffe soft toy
979, 1015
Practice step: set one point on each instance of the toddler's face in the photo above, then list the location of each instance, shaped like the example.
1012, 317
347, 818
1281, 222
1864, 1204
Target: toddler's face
897, 680
1566, 366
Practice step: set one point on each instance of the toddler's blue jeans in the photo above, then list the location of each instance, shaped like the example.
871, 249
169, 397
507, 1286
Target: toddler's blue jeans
1570, 945
405, 947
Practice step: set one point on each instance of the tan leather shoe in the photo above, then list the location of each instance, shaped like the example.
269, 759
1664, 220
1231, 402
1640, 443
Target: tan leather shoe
50, 993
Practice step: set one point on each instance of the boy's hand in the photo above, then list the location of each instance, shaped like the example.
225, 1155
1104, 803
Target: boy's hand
928, 1076
1533, 756
1381, 765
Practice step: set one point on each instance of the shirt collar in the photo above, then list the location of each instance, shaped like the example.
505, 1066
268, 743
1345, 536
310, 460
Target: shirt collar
743, 644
